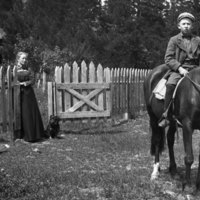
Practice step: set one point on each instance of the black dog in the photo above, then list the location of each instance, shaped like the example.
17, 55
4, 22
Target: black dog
53, 126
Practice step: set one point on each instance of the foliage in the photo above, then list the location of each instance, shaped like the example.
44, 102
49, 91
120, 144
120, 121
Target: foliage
121, 33
33, 48
56, 57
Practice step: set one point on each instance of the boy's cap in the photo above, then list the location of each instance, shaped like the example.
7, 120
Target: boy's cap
186, 15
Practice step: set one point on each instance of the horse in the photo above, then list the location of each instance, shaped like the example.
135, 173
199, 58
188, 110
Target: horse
186, 111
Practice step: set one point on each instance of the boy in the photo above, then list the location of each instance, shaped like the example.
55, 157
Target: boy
182, 55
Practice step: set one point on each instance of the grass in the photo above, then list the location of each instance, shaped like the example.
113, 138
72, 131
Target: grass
102, 163
76, 167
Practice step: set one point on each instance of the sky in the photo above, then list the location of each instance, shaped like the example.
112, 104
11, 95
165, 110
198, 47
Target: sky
102, 1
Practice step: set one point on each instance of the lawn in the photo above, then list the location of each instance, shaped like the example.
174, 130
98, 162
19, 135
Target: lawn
106, 162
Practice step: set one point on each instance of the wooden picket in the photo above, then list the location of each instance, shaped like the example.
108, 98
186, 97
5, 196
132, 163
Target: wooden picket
10, 119
91, 92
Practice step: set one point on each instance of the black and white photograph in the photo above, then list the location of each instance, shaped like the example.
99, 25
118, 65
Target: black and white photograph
99, 99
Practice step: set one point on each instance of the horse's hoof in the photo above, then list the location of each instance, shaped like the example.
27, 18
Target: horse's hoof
173, 173
154, 177
198, 185
173, 169
156, 170
175, 176
196, 192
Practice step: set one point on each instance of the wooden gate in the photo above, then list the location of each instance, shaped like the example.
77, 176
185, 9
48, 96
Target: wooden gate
80, 92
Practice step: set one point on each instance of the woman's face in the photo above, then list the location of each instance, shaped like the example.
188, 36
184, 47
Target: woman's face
22, 59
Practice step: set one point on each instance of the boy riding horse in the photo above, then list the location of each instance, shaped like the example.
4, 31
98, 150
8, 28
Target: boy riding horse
182, 55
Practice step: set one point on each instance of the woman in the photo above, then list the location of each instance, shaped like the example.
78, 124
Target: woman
32, 129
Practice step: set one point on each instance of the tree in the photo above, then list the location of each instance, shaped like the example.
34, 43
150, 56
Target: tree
63, 23
121, 33
152, 29
132, 33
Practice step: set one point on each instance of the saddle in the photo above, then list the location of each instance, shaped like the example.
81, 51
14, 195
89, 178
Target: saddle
160, 89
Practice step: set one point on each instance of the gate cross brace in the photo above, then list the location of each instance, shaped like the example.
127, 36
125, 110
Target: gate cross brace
84, 100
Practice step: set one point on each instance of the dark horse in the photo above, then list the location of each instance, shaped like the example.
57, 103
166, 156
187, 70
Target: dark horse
186, 109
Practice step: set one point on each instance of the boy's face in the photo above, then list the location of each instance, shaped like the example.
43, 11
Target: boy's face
185, 26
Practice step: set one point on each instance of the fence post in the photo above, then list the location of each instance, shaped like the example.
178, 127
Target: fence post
113, 91
17, 105
84, 80
50, 99
92, 74
3, 101
67, 96
75, 78
10, 103
58, 94
100, 80
108, 93
44, 81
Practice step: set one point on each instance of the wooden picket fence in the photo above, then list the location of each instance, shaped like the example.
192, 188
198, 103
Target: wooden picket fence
78, 92
127, 91
93, 92
10, 117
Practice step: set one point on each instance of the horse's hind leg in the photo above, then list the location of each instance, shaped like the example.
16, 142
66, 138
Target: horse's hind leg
157, 145
189, 158
170, 141
198, 175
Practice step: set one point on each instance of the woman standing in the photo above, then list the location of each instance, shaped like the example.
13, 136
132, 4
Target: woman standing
32, 129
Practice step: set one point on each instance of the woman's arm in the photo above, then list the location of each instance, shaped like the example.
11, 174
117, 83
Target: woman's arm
31, 80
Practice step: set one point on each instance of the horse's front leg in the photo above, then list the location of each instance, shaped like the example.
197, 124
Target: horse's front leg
189, 158
170, 142
198, 175
157, 146
156, 166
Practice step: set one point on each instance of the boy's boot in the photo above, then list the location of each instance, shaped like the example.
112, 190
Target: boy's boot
164, 121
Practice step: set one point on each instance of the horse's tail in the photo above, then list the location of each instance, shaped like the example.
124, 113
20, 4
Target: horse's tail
158, 138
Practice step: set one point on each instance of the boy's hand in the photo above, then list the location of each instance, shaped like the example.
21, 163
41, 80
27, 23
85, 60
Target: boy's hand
23, 83
182, 71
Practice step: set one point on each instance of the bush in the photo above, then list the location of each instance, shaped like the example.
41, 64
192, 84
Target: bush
52, 58
33, 48
42, 58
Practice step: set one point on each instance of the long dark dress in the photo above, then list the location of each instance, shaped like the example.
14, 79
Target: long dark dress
32, 129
